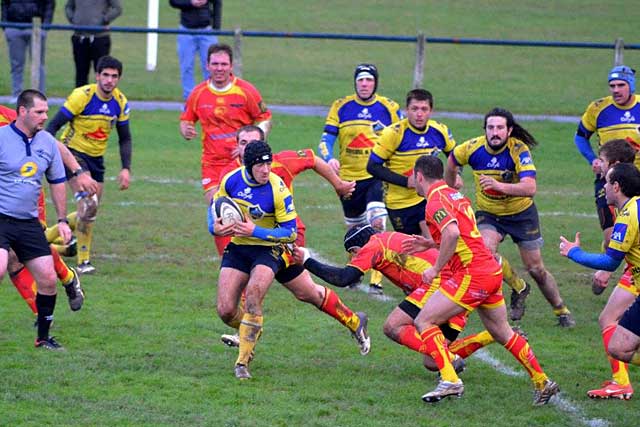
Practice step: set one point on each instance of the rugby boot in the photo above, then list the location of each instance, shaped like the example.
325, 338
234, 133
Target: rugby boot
74, 292
361, 336
231, 340
242, 372
444, 389
542, 395
566, 321
611, 389
518, 302
49, 344
375, 289
85, 267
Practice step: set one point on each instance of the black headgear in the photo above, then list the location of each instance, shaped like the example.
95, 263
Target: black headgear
256, 152
358, 236
366, 70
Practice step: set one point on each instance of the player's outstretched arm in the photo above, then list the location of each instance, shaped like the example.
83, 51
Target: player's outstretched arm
337, 276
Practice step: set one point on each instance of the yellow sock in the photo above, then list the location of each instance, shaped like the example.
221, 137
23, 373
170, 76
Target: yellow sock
249, 331
84, 234
561, 310
376, 277
510, 277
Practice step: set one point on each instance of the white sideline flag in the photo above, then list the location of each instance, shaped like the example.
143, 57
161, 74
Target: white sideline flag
152, 38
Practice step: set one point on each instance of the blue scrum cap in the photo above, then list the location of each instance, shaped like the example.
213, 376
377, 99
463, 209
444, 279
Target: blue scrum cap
627, 74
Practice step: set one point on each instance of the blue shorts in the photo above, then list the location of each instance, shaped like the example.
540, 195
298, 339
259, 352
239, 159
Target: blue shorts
25, 236
245, 257
523, 227
95, 165
605, 211
366, 191
407, 220
631, 318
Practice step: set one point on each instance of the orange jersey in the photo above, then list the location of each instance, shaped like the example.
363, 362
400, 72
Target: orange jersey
221, 114
7, 115
383, 252
446, 205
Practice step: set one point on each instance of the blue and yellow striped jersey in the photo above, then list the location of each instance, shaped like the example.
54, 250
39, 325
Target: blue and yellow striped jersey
268, 205
92, 119
510, 164
400, 146
352, 120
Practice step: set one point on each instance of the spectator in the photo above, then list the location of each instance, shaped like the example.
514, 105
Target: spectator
194, 15
19, 39
89, 46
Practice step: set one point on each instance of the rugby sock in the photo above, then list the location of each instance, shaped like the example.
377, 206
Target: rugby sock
563, 309
510, 277
619, 370
235, 322
221, 243
520, 349
465, 347
250, 330
45, 304
62, 271
26, 286
434, 345
334, 307
409, 337
376, 277
84, 241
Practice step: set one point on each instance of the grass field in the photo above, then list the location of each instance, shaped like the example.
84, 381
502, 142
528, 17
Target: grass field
462, 77
145, 348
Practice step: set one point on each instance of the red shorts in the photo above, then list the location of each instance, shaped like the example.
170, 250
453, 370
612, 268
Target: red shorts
474, 289
419, 297
212, 173
300, 240
626, 282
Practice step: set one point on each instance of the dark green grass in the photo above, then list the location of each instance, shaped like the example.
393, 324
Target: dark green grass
145, 348
462, 77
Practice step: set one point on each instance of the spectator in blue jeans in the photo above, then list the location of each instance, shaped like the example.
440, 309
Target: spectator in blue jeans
19, 39
194, 15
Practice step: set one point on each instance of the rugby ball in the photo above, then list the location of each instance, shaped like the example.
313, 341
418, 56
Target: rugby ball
226, 208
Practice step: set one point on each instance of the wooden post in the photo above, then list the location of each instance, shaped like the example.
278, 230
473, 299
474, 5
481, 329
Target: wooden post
418, 70
36, 49
237, 52
618, 58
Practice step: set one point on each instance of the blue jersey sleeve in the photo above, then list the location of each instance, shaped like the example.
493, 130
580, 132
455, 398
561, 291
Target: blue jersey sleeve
583, 144
325, 149
591, 260
285, 232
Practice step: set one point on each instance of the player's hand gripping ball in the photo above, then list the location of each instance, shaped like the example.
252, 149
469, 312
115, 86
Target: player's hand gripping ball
227, 209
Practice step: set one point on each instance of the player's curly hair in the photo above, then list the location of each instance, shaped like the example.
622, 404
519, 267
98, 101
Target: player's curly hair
517, 131
618, 151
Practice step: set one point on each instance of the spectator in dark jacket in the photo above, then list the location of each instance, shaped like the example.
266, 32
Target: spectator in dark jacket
89, 46
19, 39
194, 15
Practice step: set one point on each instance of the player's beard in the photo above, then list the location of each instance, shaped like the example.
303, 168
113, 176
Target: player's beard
499, 146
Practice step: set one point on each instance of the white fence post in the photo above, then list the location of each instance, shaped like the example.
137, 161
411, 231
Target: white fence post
618, 58
237, 52
418, 70
36, 49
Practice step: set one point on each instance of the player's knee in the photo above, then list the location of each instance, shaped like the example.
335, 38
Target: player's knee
13, 265
619, 351
538, 272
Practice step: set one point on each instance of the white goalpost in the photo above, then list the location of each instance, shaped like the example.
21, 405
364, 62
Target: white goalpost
152, 38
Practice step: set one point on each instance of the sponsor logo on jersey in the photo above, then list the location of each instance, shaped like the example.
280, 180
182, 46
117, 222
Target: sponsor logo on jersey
440, 215
619, 232
627, 117
28, 169
98, 135
494, 163
105, 110
288, 204
456, 196
245, 194
360, 145
525, 159
365, 114
422, 142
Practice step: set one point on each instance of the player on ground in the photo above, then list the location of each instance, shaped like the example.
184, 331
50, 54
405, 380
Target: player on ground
26, 156
505, 181
90, 113
616, 116
256, 255
353, 121
383, 251
476, 283
613, 153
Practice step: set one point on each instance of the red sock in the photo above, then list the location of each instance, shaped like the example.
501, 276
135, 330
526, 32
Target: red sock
619, 370
62, 271
466, 346
26, 286
435, 346
334, 307
409, 337
520, 349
